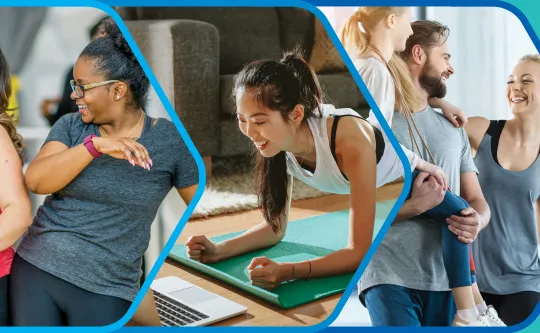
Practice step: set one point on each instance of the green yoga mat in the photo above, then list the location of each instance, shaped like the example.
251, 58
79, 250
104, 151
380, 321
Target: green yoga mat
308, 238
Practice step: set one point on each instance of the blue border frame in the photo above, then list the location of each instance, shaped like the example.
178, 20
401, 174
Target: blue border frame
202, 174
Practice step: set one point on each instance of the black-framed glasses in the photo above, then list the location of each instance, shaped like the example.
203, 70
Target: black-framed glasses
79, 89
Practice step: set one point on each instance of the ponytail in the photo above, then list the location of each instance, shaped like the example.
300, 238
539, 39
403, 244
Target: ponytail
272, 188
353, 39
405, 90
356, 41
310, 92
278, 86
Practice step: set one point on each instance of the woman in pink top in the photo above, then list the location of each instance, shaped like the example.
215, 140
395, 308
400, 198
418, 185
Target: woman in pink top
15, 212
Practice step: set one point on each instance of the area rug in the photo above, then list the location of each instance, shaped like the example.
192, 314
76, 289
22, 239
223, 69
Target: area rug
232, 189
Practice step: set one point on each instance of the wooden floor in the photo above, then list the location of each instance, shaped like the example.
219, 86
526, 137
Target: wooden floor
261, 313
300, 209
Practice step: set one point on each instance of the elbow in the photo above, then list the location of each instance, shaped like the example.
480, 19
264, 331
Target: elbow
279, 236
356, 261
356, 257
31, 180
32, 184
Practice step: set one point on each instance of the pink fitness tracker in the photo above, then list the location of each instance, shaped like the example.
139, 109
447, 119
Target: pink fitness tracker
90, 146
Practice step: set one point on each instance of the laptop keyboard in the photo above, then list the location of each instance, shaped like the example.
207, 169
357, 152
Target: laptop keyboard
174, 313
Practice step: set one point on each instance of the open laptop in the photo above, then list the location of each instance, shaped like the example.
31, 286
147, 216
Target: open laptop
180, 303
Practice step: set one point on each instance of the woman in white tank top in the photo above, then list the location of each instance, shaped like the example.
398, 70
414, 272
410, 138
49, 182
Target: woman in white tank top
279, 107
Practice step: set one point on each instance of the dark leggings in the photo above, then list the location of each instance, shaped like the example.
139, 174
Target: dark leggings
513, 308
457, 256
4, 314
40, 299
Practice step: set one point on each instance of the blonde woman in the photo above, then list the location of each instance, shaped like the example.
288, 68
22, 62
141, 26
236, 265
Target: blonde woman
507, 159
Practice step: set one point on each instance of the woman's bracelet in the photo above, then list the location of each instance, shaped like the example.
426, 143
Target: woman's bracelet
309, 271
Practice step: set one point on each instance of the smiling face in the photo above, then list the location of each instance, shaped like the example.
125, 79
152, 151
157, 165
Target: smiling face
436, 71
95, 105
523, 87
266, 128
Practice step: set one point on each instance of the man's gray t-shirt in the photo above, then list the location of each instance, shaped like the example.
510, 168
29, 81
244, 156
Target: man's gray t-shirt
93, 232
410, 253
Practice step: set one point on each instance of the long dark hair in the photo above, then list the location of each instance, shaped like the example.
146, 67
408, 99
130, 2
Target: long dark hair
116, 61
5, 94
279, 86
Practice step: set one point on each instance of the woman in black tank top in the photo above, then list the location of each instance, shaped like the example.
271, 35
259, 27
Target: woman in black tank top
506, 252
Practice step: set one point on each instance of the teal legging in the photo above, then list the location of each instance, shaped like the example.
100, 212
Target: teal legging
457, 257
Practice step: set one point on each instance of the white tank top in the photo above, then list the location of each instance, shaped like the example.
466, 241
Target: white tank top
327, 177
379, 82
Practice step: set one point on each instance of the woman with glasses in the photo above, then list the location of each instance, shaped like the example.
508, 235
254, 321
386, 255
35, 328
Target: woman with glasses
106, 169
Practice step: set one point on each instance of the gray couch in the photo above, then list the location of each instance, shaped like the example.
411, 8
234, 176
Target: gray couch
195, 52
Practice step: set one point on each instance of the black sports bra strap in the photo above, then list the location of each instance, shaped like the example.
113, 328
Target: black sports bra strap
333, 136
379, 139
494, 130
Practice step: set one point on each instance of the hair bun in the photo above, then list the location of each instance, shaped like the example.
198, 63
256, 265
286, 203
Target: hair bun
293, 57
113, 32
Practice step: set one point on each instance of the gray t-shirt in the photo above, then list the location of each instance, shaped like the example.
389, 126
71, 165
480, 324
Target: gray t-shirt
410, 253
94, 232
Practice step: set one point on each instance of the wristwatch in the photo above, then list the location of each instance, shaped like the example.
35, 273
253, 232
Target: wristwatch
89, 144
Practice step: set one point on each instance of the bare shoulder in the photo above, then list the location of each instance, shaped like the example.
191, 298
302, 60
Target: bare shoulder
476, 127
8, 153
5, 139
477, 124
353, 135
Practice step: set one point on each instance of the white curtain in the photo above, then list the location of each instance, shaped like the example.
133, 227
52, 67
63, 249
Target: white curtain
485, 44
337, 15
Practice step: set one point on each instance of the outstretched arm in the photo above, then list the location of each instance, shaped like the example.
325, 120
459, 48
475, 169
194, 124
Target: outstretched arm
476, 128
259, 236
455, 115
16, 213
356, 157
359, 164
